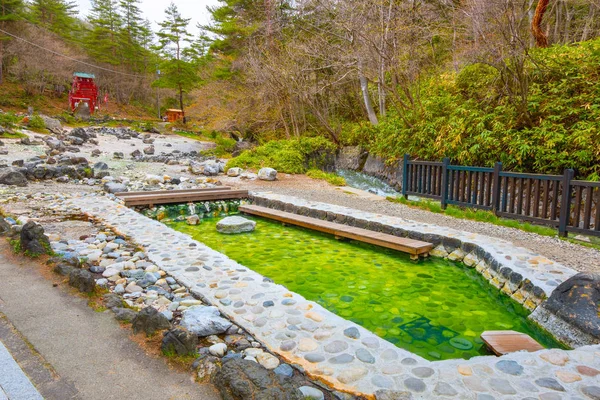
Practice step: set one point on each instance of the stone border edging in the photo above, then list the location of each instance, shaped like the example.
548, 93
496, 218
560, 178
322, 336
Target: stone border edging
327, 347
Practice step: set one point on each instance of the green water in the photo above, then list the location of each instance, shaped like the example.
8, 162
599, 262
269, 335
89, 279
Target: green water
434, 308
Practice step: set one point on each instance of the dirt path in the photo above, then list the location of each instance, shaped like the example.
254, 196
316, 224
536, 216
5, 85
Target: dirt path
74, 352
578, 257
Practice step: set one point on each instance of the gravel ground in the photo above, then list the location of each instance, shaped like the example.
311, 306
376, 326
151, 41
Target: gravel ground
580, 258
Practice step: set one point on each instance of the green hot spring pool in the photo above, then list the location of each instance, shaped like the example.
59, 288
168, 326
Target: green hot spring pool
434, 308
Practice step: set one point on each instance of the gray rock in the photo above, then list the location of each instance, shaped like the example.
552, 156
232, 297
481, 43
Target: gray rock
352, 333
179, 341
336, 346
114, 187
33, 239
52, 124
12, 177
444, 389
284, 370
117, 155
204, 321
233, 225
124, 314
149, 321
267, 174
234, 172
509, 367
415, 385
365, 356
239, 379
63, 269
112, 301
423, 372
550, 383
218, 349
311, 393
502, 386
149, 150
82, 280
593, 392
392, 395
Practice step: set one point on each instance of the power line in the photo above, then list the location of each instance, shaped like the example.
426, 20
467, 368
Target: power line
71, 58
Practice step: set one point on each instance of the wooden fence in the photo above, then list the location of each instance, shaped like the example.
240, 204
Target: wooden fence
555, 200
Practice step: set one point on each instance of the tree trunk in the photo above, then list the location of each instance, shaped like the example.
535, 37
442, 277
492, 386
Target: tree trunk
364, 86
181, 103
1, 63
536, 25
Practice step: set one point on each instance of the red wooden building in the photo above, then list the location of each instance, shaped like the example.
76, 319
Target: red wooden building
84, 92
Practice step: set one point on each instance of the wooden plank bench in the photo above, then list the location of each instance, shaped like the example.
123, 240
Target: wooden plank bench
413, 247
504, 342
173, 198
178, 191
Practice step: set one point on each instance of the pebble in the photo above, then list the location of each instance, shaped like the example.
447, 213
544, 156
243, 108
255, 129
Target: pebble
502, 386
352, 333
267, 360
284, 370
336, 346
550, 383
306, 345
218, 349
352, 375
365, 356
509, 367
415, 385
311, 393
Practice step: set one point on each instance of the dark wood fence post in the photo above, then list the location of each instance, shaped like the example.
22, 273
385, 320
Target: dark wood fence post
565, 204
496, 187
444, 191
405, 176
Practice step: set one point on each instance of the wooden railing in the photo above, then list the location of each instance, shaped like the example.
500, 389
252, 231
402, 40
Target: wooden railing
554, 200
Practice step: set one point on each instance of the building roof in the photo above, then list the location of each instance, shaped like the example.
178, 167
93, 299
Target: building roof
174, 110
84, 75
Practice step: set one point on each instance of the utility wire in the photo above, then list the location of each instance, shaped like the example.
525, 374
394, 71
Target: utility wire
71, 58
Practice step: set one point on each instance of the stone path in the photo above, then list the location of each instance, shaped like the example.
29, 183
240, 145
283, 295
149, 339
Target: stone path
14, 384
87, 350
338, 352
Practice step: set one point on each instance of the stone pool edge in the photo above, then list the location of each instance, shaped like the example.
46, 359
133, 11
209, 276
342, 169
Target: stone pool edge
392, 368
523, 275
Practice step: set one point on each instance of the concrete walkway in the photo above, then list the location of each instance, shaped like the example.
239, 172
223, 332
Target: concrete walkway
14, 384
87, 352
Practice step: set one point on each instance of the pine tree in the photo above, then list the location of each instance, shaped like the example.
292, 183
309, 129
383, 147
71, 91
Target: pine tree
58, 16
103, 38
177, 72
10, 11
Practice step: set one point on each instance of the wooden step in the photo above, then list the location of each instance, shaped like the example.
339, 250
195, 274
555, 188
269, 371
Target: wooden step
174, 198
178, 191
410, 246
504, 342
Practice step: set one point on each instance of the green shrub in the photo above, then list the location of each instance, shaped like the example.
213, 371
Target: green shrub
8, 120
333, 179
293, 156
36, 123
225, 146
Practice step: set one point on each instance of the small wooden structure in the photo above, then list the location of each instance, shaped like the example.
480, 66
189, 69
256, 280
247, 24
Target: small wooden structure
84, 92
185, 196
415, 248
174, 115
504, 342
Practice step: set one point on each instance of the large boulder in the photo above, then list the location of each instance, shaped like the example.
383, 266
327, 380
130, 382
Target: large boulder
149, 321
574, 302
12, 176
267, 174
234, 172
179, 341
33, 239
212, 168
82, 280
233, 225
240, 379
204, 321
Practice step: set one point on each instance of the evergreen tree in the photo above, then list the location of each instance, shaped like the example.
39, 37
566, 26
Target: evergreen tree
177, 72
58, 16
103, 38
131, 32
10, 11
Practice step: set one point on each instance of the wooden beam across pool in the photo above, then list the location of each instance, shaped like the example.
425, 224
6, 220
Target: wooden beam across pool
413, 247
167, 197
178, 191
504, 342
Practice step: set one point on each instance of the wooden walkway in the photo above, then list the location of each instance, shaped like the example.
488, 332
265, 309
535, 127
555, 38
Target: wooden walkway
180, 196
413, 247
504, 342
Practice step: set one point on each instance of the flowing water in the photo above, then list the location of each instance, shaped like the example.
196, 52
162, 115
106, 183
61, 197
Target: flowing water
434, 308
368, 183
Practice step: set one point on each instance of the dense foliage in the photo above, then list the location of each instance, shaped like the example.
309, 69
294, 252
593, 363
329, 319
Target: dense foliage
295, 156
465, 117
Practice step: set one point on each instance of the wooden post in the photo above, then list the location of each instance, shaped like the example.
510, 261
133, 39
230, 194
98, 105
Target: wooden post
444, 191
496, 189
565, 204
405, 176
